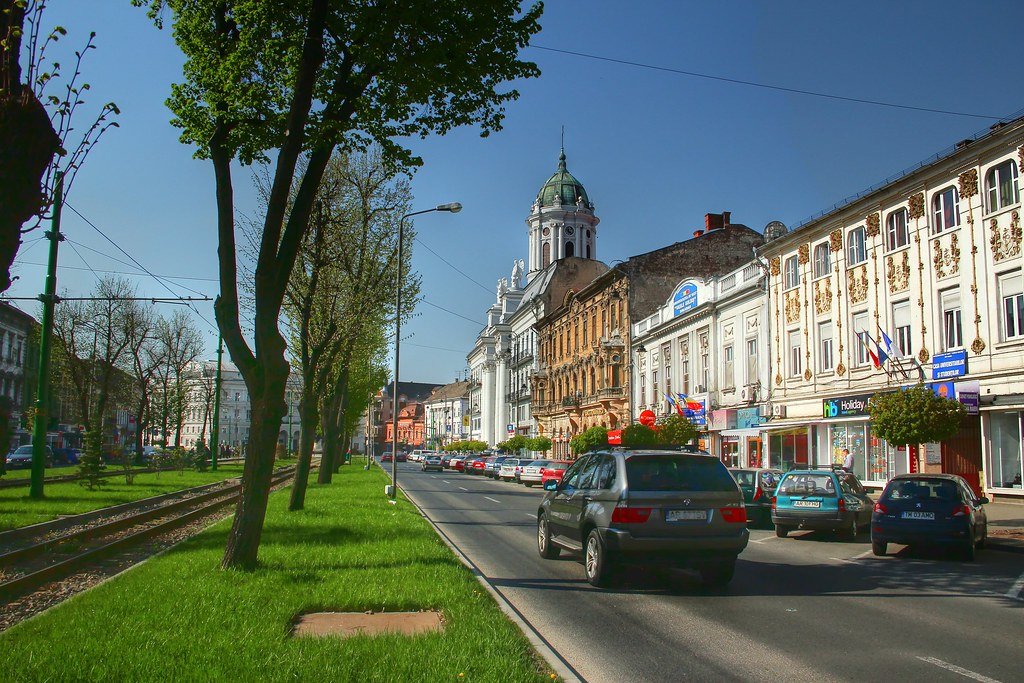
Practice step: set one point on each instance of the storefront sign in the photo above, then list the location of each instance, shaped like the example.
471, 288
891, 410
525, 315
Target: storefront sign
933, 453
648, 418
845, 406
684, 299
722, 419
748, 418
952, 364
967, 393
510, 428
696, 411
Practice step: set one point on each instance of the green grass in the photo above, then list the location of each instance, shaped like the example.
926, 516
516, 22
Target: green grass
179, 618
71, 498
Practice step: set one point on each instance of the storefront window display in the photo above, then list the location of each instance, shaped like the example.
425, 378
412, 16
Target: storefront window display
731, 451
1005, 451
788, 450
872, 456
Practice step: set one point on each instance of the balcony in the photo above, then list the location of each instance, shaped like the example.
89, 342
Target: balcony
611, 392
517, 396
571, 401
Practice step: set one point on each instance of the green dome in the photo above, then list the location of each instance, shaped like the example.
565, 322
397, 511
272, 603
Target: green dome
562, 186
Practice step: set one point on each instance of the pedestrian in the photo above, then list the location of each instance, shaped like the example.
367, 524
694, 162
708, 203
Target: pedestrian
847, 460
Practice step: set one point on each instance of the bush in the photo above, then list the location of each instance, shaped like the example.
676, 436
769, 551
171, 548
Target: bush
638, 435
541, 444
914, 416
592, 439
90, 465
677, 431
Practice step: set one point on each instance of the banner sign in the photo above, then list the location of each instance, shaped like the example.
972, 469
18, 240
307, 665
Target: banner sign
685, 299
845, 406
952, 364
696, 411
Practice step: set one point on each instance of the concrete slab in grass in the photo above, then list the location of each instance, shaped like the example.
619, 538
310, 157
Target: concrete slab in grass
346, 624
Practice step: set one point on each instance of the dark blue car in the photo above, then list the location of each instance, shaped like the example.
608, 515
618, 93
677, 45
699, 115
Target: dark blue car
929, 510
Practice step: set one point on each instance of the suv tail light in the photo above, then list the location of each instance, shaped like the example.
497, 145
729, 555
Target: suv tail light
758, 493
961, 510
735, 515
623, 514
881, 509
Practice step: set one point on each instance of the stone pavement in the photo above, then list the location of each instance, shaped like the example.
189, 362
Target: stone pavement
1006, 526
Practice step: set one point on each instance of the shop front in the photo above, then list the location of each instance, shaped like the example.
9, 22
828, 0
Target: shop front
1004, 459
788, 447
741, 439
846, 429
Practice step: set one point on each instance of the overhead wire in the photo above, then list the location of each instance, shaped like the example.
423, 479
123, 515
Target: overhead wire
61, 266
457, 315
453, 267
767, 86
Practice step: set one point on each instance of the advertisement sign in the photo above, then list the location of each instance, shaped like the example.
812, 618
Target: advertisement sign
748, 418
684, 299
933, 453
696, 411
845, 406
648, 418
967, 393
510, 428
951, 364
722, 419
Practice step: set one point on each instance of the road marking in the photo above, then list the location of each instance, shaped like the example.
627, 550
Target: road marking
464, 489
1018, 586
492, 500
446, 481
530, 514
766, 539
967, 673
862, 555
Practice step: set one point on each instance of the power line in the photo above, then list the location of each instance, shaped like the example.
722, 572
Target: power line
437, 348
79, 254
457, 315
797, 91
119, 272
453, 267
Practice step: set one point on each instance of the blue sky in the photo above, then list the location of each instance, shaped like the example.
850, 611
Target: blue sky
655, 150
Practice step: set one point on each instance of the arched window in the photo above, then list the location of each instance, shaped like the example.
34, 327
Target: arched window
546, 251
822, 262
855, 247
1001, 183
896, 229
570, 249
588, 250
792, 275
946, 210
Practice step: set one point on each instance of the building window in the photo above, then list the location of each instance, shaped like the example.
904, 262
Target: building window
856, 249
546, 254
705, 369
952, 330
796, 354
684, 364
792, 273
1001, 183
821, 260
1011, 289
859, 329
728, 375
825, 347
654, 386
946, 210
896, 230
570, 249
751, 361
643, 389
1005, 451
901, 327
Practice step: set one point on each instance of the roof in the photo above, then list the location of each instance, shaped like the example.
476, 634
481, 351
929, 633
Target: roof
412, 391
449, 392
562, 188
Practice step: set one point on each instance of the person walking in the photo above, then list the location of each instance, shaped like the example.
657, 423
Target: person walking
848, 460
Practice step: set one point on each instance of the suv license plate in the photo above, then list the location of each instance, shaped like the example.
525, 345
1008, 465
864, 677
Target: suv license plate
807, 503
918, 515
685, 515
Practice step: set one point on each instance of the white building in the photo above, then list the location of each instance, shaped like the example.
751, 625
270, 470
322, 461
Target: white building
934, 261
705, 348
562, 229
446, 415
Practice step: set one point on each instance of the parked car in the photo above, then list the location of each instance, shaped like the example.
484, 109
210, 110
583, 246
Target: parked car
459, 463
929, 510
22, 457
446, 458
477, 465
494, 467
758, 486
431, 463
645, 507
386, 457
508, 469
66, 456
532, 472
554, 471
830, 500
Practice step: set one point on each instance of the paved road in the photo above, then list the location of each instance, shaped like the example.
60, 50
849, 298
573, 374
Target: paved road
806, 608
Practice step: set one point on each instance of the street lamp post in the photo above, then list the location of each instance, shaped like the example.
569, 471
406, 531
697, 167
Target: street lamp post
453, 207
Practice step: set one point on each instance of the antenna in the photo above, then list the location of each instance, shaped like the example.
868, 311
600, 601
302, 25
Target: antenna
563, 137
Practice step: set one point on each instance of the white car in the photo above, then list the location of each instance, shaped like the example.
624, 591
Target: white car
416, 456
530, 473
508, 469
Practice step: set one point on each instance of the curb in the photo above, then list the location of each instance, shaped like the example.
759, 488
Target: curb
557, 663
993, 543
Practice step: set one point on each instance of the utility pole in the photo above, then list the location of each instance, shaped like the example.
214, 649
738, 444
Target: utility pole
48, 298
215, 437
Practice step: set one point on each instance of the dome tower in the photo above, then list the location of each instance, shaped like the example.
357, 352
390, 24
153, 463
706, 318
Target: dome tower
562, 221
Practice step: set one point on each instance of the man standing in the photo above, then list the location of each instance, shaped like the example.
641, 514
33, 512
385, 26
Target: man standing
847, 460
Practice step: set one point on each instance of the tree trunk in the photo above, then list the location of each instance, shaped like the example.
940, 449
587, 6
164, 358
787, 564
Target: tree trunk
307, 426
140, 425
267, 411
327, 422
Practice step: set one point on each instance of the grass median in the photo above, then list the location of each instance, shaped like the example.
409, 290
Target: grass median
71, 498
178, 617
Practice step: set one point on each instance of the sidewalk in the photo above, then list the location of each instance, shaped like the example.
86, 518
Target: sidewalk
1006, 526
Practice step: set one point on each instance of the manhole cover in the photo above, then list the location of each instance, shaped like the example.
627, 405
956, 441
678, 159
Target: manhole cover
347, 624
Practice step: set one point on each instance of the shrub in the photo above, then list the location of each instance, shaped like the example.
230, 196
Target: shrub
592, 439
541, 444
90, 465
914, 416
637, 435
677, 431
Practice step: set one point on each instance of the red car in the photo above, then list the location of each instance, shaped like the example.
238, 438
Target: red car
554, 471
386, 457
478, 466
459, 464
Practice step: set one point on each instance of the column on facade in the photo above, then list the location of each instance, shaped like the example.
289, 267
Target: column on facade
487, 403
501, 401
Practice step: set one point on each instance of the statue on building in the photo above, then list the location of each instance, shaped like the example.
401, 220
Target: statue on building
517, 273
502, 287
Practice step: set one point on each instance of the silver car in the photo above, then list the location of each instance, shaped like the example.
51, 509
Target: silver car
531, 472
508, 469
645, 507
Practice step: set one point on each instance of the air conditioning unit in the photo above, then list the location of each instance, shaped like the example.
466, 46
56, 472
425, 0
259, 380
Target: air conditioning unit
699, 389
778, 410
748, 394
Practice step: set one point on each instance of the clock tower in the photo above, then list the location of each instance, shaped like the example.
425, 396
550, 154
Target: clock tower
562, 221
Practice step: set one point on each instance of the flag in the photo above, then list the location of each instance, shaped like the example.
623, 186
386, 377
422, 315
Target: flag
871, 354
890, 346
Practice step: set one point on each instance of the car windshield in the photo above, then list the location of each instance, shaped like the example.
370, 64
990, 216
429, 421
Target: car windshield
921, 489
23, 450
744, 477
808, 485
510, 462
677, 472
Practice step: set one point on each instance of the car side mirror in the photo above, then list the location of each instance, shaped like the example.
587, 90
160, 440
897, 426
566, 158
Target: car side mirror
551, 485
983, 500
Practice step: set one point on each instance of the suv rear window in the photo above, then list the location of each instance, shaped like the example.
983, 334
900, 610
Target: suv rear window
808, 485
677, 472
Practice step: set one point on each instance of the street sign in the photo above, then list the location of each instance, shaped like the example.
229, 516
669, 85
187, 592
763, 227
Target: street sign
951, 364
510, 428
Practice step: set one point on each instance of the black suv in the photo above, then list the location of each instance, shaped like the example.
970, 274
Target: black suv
659, 507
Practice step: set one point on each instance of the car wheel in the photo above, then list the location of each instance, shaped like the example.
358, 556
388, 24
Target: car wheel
528, 484
595, 560
718, 574
980, 545
781, 531
851, 529
879, 548
545, 547
969, 549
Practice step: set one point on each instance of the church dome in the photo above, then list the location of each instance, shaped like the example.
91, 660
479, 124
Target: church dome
562, 188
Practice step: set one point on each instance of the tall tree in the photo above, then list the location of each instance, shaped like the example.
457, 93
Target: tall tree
37, 137
179, 344
145, 361
307, 77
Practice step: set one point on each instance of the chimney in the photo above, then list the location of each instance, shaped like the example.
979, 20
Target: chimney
698, 233
712, 221
725, 218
